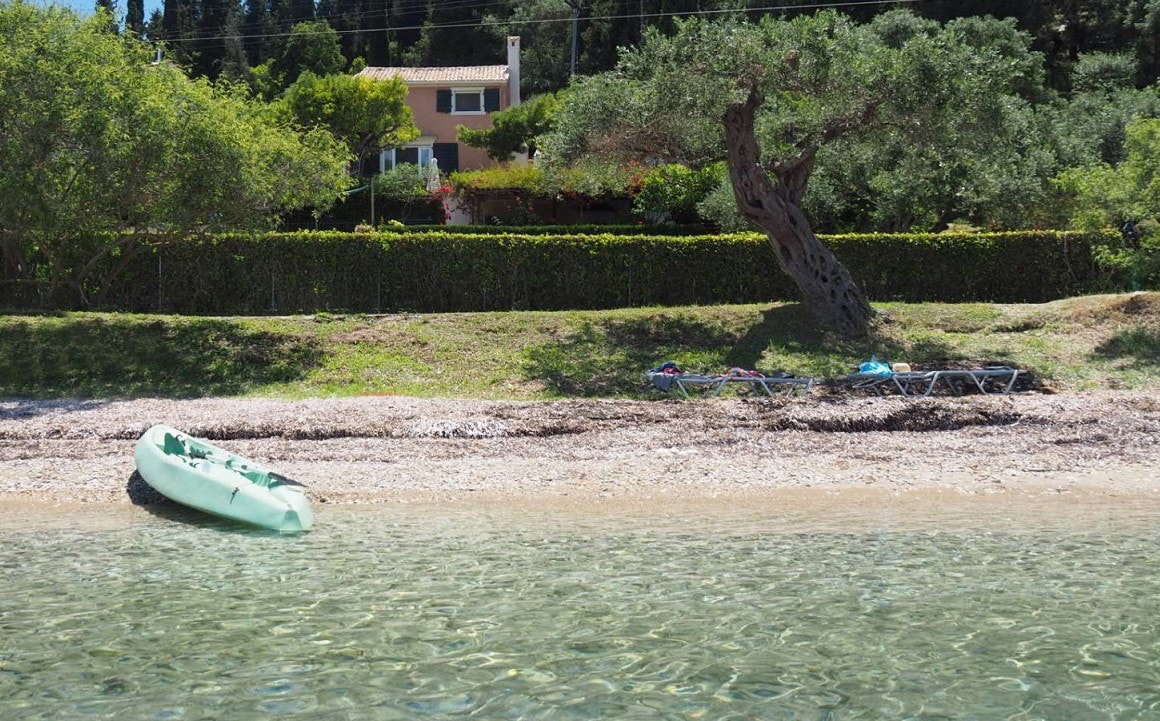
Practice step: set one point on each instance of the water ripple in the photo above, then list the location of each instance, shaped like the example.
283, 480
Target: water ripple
396, 614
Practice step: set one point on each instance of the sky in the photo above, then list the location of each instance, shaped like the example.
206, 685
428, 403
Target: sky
85, 7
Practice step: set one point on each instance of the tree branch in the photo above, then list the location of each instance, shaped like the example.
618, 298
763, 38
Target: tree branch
794, 174
850, 123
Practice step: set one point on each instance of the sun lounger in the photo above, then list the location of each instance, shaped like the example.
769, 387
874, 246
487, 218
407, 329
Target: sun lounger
995, 379
682, 382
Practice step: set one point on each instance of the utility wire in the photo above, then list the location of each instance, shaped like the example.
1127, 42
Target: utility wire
544, 21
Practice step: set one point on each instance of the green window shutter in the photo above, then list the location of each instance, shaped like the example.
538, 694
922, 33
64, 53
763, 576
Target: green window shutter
490, 100
443, 101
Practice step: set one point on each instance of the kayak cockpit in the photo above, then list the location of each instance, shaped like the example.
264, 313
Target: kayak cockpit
192, 452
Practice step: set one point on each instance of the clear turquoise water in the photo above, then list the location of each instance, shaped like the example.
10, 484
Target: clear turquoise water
405, 613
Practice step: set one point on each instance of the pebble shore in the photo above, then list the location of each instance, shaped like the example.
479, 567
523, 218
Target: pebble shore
388, 449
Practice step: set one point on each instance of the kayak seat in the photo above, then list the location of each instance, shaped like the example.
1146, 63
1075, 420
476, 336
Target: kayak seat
258, 478
277, 479
172, 446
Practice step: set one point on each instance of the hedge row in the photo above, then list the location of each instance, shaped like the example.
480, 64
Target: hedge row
308, 272
659, 231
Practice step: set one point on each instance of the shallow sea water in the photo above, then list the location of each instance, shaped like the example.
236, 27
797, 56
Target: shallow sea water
421, 612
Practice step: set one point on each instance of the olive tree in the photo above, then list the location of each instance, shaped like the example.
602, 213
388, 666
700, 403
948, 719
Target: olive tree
766, 98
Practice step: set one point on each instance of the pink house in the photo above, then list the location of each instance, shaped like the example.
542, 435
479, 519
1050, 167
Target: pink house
443, 98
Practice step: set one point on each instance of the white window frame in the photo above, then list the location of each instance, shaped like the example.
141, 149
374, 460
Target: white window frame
455, 92
426, 154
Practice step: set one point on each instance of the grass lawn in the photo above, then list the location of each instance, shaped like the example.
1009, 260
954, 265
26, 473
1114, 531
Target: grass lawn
1110, 341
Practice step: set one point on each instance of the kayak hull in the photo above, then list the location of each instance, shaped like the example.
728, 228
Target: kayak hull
197, 474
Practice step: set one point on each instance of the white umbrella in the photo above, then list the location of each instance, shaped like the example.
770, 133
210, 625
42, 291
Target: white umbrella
433, 183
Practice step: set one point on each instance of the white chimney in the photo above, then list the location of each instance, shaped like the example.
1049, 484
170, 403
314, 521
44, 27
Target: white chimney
513, 48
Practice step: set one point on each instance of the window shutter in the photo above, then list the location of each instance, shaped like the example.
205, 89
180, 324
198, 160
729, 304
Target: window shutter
490, 100
448, 156
443, 101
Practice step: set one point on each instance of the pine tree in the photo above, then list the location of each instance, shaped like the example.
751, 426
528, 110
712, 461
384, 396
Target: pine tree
135, 17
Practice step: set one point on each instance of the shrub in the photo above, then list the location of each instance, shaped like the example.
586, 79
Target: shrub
673, 191
405, 182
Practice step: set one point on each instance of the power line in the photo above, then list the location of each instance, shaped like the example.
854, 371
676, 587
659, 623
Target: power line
545, 21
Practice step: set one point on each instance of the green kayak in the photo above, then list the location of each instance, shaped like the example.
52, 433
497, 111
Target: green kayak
197, 474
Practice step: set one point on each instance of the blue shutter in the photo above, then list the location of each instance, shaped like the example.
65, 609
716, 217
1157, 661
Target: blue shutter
443, 101
490, 100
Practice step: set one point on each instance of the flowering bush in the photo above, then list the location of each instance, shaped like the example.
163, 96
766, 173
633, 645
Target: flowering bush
524, 213
442, 195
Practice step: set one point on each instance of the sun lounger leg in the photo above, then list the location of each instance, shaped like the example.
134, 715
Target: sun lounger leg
1011, 382
930, 388
979, 381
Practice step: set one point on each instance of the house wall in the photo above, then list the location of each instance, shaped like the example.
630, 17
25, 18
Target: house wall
443, 125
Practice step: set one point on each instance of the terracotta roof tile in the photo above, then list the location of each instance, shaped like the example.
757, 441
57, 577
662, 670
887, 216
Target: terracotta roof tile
479, 74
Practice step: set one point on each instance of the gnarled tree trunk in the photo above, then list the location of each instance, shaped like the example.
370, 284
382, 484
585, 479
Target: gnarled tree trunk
827, 287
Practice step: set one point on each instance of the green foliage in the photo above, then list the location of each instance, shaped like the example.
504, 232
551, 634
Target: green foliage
719, 207
906, 123
590, 180
401, 183
1091, 127
95, 138
434, 33
1138, 260
1104, 72
514, 128
500, 177
593, 178
235, 273
674, 191
1104, 195
310, 47
571, 230
368, 115
402, 193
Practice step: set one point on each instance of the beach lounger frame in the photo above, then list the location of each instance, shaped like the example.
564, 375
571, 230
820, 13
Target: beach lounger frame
988, 381
716, 385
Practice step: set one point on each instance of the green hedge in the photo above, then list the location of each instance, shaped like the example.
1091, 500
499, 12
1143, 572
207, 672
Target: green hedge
1014, 267
431, 271
443, 272
660, 231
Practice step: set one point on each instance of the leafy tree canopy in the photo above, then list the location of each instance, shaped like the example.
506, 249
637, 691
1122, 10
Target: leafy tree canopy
514, 128
1110, 195
211, 35
1126, 195
368, 115
311, 47
788, 90
93, 137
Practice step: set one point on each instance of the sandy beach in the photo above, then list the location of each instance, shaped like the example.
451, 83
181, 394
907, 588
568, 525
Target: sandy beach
388, 449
